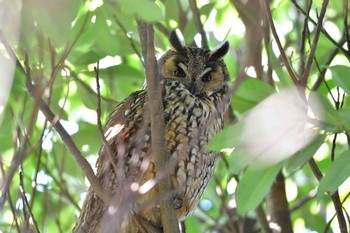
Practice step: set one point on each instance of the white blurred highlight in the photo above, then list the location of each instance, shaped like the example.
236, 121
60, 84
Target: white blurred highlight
10, 18
275, 129
147, 186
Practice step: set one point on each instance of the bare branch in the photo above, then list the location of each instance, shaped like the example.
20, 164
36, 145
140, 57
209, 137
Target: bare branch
346, 24
324, 32
198, 22
274, 33
169, 220
260, 213
300, 203
303, 40
25, 200
339, 211
278, 205
305, 75
100, 128
83, 163
132, 44
322, 72
335, 197
50, 116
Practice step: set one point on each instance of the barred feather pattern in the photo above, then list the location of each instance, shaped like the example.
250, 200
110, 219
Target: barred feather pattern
191, 121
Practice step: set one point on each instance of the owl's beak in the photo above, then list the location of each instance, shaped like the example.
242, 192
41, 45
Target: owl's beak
192, 88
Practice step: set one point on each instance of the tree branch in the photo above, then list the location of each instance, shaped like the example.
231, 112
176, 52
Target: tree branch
303, 39
26, 203
274, 33
50, 116
99, 123
198, 22
346, 24
132, 44
335, 197
278, 205
250, 13
305, 75
169, 220
261, 216
325, 33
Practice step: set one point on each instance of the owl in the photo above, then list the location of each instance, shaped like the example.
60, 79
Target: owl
195, 96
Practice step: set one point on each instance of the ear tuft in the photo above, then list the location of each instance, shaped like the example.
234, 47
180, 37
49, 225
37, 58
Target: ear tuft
177, 40
219, 52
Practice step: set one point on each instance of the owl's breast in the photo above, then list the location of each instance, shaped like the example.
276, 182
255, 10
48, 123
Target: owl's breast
190, 123
190, 120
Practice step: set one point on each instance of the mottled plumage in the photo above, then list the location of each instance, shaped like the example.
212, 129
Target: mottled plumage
194, 83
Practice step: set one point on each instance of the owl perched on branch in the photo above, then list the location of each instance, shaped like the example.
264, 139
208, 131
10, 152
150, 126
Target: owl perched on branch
195, 97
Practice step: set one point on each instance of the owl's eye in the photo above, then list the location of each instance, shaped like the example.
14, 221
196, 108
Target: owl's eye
206, 78
179, 72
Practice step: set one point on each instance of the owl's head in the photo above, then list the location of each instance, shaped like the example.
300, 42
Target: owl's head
201, 71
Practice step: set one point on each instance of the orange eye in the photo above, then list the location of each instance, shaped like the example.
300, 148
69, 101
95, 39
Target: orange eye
206, 78
179, 72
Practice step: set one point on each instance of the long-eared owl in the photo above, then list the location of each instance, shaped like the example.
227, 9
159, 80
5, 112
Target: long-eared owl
195, 97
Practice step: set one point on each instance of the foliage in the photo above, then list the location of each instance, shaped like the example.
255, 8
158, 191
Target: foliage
59, 43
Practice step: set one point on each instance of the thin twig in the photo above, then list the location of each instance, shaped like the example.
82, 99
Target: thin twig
274, 33
312, 194
334, 144
339, 210
305, 75
163, 29
62, 186
304, 34
131, 41
26, 203
198, 22
322, 73
88, 88
83, 163
324, 32
315, 169
37, 166
264, 223
100, 128
21, 152
66, 138
346, 25
41, 139
335, 197
9, 196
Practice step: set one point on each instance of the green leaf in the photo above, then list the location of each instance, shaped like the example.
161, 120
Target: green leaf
227, 138
89, 99
254, 186
340, 75
63, 156
336, 174
206, 10
53, 18
145, 9
88, 135
301, 157
250, 92
171, 10
333, 120
278, 68
6, 125
190, 29
123, 79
